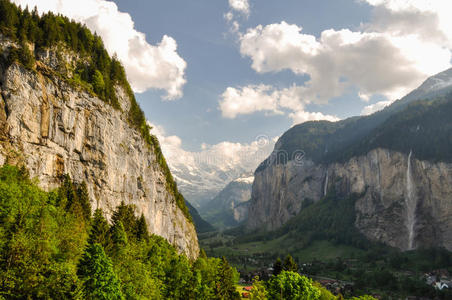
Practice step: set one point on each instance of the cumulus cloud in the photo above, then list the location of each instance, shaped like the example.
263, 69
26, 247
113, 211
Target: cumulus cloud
248, 99
266, 98
202, 174
374, 62
147, 66
390, 56
403, 17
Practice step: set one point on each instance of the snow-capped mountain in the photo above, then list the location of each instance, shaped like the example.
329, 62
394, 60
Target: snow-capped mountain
437, 85
230, 207
200, 183
201, 175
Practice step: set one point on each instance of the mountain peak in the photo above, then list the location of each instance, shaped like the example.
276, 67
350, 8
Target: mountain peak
437, 82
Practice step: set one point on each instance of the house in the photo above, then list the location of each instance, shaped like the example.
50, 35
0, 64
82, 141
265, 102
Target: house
441, 285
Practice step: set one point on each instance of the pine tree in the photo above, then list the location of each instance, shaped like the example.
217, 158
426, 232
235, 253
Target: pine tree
99, 230
141, 231
290, 264
118, 237
225, 285
26, 57
125, 214
95, 269
277, 267
83, 198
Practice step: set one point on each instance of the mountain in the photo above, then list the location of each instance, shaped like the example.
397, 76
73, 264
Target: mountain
66, 108
230, 207
200, 224
202, 182
390, 171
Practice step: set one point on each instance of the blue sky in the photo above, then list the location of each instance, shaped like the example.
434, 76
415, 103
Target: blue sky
214, 62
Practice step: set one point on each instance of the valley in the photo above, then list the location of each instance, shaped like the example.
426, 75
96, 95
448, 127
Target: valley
112, 188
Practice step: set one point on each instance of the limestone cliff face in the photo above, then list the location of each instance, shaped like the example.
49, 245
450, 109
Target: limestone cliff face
392, 194
53, 129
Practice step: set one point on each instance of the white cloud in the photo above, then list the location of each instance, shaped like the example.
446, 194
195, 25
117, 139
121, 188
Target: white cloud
375, 63
405, 42
241, 6
248, 99
237, 7
265, 98
147, 66
202, 174
430, 20
370, 109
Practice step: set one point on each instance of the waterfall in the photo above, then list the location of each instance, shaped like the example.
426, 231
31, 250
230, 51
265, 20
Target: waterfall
411, 203
325, 187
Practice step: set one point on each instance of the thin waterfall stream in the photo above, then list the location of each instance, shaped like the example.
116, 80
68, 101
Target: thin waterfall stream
411, 203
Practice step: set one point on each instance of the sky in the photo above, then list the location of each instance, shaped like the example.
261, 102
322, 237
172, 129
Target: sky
218, 77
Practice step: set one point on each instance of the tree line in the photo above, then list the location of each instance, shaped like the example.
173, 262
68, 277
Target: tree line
51, 247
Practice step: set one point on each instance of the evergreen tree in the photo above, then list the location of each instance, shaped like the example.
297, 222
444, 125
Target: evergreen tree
277, 267
141, 231
225, 283
95, 269
84, 200
99, 230
118, 237
125, 214
98, 83
26, 57
289, 264
68, 197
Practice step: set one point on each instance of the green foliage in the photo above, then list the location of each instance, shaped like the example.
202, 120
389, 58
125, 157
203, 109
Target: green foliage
98, 82
277, 267
125, 214
290, 264
118, 237
75, 198
291, 285
331, 218
142, 232
25, 56
200, 224
37, 240
258, 292
325, 294
365, 297
226, 279
419, 126
42, 238
96, 271
96, 71
405, 126
99, 230
83, 199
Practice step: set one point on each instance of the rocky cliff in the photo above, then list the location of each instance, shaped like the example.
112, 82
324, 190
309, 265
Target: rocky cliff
398, 161
387, 203
55, 128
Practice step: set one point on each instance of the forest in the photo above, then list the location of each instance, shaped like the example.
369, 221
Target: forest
51, 247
